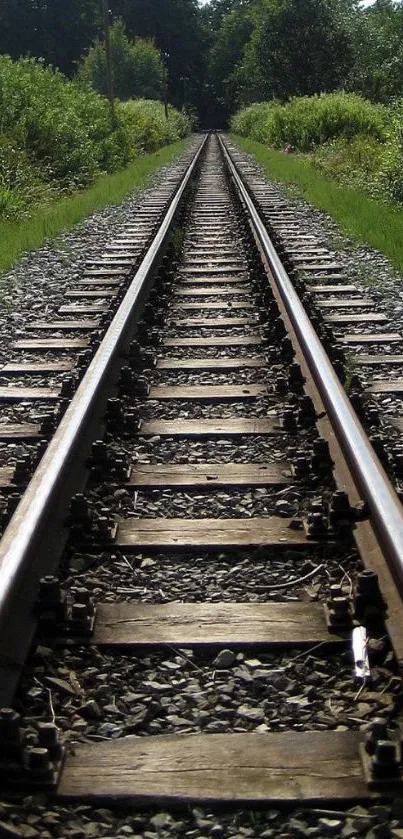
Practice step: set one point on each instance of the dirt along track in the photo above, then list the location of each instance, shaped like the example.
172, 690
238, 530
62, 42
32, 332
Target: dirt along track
226, 628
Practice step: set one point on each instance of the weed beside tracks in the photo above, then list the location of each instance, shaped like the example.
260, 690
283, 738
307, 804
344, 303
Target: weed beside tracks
47, 221
372, 221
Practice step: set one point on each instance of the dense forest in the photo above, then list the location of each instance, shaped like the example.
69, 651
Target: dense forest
226, 53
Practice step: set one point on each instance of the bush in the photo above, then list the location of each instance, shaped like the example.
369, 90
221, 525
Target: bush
147, 126
256, 122
355, 163
20, 183
391, 170
58, 136
65, 130
308, 121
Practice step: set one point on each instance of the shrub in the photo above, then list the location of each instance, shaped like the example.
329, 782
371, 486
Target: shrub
57, 135
20, 183
355, 163
308, 121
64, 129
256, 121
147, 126
391, 170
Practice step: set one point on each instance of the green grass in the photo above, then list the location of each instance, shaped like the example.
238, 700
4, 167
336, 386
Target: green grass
52, 219
366, 220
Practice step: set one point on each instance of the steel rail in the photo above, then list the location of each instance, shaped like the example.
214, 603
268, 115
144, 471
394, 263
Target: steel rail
28, 532
385, 509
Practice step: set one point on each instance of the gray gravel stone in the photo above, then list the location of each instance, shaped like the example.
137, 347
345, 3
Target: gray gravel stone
224, 659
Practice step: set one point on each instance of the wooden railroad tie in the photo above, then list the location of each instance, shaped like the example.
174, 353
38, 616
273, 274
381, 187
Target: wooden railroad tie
210, 427
219, 363
207, 393
160, 533
213, 341
287, 767
209, 474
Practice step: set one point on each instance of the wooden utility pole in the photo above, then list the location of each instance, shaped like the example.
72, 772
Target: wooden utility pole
108, 53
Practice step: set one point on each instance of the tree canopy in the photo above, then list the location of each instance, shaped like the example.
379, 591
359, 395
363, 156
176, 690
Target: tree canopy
296, 48
138, 70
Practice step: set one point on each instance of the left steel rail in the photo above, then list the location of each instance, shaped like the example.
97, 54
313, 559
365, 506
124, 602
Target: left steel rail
34, 539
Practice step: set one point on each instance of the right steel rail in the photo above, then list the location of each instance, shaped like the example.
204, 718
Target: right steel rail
385, 509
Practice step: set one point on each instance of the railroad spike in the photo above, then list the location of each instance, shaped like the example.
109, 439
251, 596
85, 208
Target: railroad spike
357, 401
340, 507
372, 415
288, 420
306, 411
48, 738
381, 756
378, 444
301, 465
385, 762
369, 606
69, 385
81, 614
278, 330
12, 502
40, 450
140, 357
286, 349
51, 604
316, 525
39, 765
153, 316
338, 610
281, 385
99, 458
113, 410
22, 470
61, 409
126, 423
79, 510
321, 460
339, 369
48, 424
133, 383
296, 380
83, 359
148, 334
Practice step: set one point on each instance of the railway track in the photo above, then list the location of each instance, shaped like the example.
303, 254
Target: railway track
225, 623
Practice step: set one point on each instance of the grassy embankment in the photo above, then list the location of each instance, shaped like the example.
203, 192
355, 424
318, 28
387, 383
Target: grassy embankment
373, 222
60, 215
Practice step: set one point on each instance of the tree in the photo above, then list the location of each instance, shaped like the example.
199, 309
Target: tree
214, 13
227, 53
376, 34
297, 48
176, 28
54, 30
138, 70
